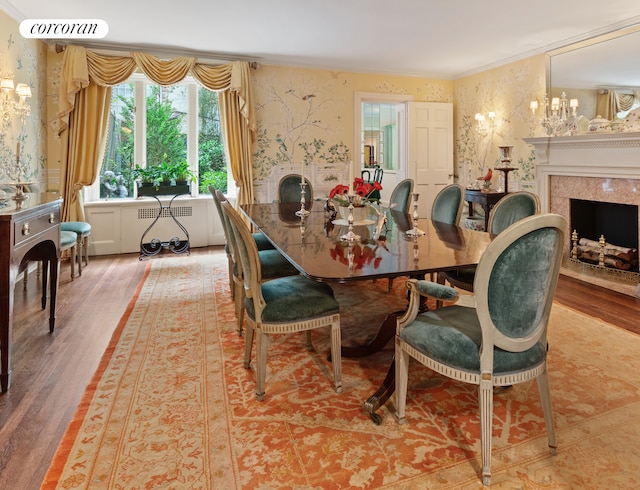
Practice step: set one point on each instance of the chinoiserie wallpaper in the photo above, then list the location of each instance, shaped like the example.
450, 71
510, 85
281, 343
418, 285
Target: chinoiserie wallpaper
25, 60
306, 116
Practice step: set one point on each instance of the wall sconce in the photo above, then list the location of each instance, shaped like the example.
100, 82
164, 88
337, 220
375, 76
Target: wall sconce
556, 117
485, 124
9, 106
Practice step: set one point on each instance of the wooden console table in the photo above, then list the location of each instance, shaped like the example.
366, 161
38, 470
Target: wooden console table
30, 233
486, 199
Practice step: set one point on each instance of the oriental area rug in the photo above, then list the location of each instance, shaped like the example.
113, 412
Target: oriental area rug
172, 406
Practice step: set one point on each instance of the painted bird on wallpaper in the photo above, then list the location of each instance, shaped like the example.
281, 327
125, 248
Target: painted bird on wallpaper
487, 177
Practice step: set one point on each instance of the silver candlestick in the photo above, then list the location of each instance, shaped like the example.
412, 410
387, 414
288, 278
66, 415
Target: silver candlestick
302, 212
415, 231
350, 235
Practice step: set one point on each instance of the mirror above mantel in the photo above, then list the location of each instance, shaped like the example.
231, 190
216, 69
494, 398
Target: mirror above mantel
595, 67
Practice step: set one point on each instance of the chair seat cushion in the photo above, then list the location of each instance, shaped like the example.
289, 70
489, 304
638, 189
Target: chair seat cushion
262, 242
78, 227
273, 264
452, 336
294, 298
67, 239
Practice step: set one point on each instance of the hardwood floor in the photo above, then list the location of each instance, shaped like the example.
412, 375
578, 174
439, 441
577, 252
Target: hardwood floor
50, 371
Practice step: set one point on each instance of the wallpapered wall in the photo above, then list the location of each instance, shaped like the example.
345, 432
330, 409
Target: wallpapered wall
26, 61
307, 115
507, 91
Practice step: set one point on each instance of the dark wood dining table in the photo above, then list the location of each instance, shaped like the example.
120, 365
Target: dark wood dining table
314, 245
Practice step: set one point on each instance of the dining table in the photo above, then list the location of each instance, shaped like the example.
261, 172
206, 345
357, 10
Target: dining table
387, 244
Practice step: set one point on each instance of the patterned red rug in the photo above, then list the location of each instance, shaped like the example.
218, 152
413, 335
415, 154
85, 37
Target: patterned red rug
172, 406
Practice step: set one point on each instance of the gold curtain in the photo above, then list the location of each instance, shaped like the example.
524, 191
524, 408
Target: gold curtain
83, 115
610, 102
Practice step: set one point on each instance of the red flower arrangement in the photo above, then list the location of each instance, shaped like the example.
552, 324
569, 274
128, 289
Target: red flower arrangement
362, 193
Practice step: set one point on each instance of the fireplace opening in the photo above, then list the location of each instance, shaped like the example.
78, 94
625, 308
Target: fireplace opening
618, 223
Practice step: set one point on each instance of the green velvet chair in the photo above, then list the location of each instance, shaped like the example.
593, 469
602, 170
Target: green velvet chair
82, 231
400, 199
500, 342
261, 240
272, 262
511, 208
447, 205
289, 189
280, 306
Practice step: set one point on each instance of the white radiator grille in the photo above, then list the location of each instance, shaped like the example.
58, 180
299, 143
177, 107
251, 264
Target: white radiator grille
151, 213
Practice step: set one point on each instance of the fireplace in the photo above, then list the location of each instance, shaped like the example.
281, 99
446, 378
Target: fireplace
607, 229
598, 167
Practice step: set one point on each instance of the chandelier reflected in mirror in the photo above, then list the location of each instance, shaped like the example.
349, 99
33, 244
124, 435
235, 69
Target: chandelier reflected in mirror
558, 117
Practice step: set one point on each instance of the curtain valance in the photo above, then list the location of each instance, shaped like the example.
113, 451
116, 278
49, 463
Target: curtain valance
81, 67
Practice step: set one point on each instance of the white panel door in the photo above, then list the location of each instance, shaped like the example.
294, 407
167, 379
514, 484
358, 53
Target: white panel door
430, 150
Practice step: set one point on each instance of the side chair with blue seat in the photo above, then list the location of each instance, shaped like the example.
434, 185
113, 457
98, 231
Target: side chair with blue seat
511, 208
261, 241
400, 199
284, 305
447, 205
500, 342
82, 230
272, 263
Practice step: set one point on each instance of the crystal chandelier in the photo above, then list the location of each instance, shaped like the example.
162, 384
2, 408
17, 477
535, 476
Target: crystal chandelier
558, 116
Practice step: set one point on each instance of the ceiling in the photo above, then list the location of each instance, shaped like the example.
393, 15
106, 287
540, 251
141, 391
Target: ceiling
445, 39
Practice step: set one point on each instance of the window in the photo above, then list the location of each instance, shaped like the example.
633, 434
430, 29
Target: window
151, 125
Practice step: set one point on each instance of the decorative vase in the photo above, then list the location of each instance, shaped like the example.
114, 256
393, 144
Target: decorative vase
360, 213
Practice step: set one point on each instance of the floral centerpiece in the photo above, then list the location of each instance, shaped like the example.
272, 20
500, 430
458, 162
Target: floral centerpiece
361, 195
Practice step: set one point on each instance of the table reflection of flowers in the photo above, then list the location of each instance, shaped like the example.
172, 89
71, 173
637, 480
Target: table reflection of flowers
356, 255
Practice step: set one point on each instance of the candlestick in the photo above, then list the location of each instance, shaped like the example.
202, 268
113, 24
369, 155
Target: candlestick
351, 177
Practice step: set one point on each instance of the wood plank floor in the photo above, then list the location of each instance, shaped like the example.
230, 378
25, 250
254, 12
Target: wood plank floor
50, 371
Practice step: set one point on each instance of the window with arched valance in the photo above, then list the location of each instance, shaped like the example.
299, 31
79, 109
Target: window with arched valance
85, 94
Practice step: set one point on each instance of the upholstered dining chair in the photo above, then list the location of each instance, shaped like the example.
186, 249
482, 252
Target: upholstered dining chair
511, 208
273, 265
400, 199
503, 340
261, 241
289, 189
282, 305
447, 205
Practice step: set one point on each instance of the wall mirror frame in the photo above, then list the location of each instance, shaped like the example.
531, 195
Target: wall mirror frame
604, 61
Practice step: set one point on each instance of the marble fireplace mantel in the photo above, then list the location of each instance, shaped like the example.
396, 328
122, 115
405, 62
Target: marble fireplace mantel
598, 166
605, 155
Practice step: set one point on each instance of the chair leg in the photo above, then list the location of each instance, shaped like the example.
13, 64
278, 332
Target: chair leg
231, 288
262, 344
336, 355
248, 344
85, 247
402, 379
73, 263
486, 414
545, 399
79, 254
238, 302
